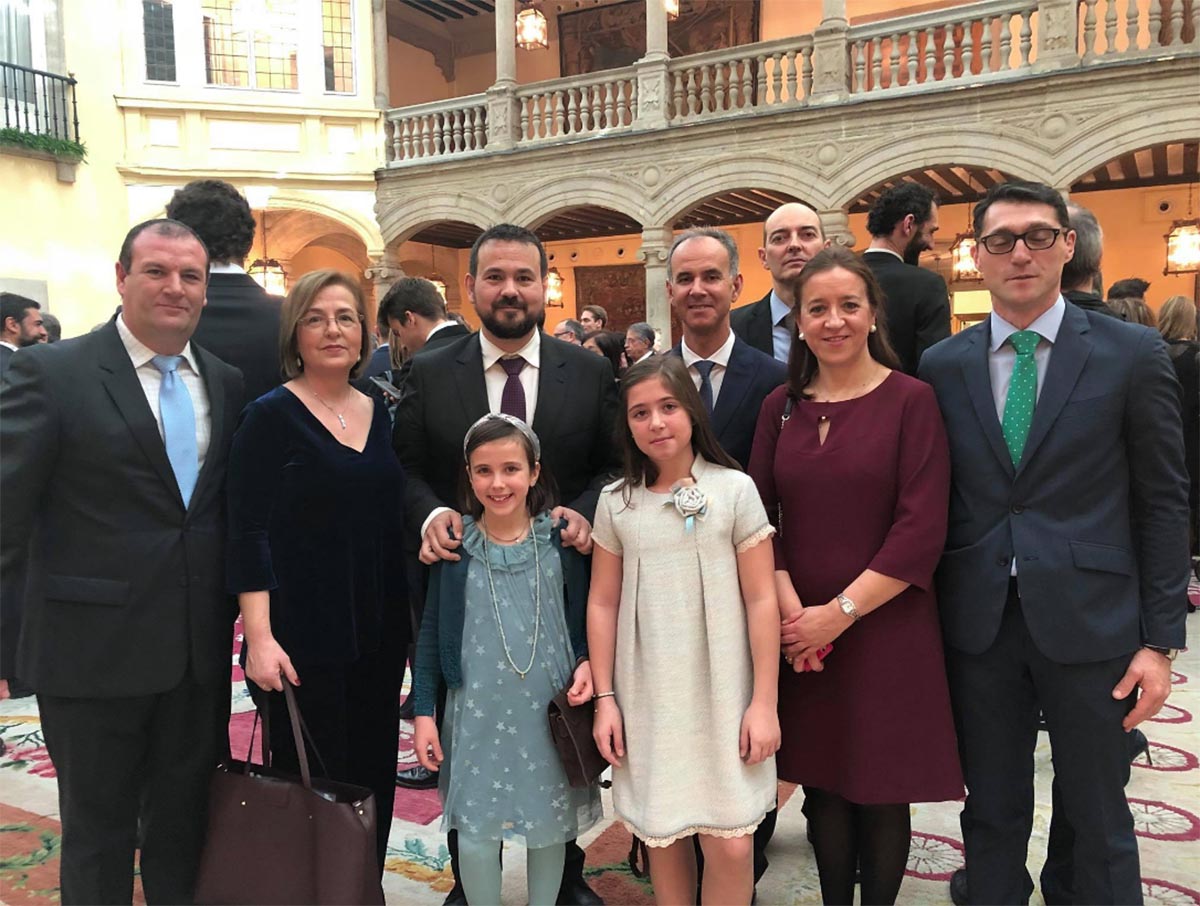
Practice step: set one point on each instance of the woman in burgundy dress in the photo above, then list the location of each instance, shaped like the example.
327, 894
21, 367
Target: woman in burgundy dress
856, 473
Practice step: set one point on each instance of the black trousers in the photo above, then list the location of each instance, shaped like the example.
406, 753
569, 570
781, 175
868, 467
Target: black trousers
123, 763
996, 697
353, 713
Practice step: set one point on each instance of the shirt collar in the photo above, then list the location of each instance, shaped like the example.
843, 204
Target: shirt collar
779, 308
439, 326
9, 345
1046, 325
531, 352
226, 268
140, 354
721, 356
894, 254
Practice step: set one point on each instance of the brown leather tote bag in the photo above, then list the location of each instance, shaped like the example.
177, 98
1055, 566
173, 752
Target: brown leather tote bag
274, 838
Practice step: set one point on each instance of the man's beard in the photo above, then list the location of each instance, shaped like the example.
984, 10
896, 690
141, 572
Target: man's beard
510, 330
912, 251
24, 341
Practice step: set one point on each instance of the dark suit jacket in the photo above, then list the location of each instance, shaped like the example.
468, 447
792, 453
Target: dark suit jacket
240, 325
445, 394
751, 375
1096, 512
753, 324
125, 590
1089, 302
6, 355
916, 306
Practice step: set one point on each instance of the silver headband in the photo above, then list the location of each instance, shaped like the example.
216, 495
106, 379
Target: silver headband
512, 420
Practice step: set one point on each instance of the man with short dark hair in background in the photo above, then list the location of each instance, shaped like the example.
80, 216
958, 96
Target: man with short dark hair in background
115, 446
916, 305
240, 323
593, 317
21, 325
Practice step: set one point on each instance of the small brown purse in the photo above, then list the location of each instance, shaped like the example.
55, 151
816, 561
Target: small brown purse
571, 732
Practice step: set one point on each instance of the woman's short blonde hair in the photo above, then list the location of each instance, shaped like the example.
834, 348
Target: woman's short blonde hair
299, 300
1177, 319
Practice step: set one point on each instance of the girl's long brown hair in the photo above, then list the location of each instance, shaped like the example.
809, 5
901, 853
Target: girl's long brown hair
637, 468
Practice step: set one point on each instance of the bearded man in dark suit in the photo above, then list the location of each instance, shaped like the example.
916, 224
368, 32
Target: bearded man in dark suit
566, 393
240, 323
916, 302
115, 446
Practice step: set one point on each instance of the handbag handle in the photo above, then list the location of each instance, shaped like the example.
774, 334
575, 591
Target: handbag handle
300, 732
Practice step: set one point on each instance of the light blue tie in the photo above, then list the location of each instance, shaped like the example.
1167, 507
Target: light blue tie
179, 425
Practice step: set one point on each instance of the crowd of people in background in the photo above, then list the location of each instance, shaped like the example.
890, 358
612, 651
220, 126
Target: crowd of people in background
819, 538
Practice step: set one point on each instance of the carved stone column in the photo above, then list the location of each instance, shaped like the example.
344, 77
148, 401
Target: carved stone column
836, 225
380, 274
656, 242
503, 114
379, 24
656, 30
831, 61
1058, 35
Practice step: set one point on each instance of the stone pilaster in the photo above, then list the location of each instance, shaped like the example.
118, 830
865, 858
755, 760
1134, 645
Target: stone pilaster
656, 242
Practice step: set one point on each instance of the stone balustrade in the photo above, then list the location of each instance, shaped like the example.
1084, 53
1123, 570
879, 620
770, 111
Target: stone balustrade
1109, 29
973, 43
762, 76
596, 103
437, 130
963, 44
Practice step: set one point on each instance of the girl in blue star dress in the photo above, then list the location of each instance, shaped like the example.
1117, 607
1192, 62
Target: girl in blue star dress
504, 627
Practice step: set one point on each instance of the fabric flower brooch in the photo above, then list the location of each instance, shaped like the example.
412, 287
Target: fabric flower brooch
690, 502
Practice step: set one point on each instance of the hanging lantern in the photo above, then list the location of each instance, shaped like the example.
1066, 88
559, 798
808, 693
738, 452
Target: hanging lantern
266, 271
672, 7
533, 33
962, 262
554, 289
1183, 247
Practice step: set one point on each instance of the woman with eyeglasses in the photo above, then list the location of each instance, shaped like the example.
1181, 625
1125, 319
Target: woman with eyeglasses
316, 518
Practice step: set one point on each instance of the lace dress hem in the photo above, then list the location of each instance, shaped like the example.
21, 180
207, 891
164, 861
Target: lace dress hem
691, 830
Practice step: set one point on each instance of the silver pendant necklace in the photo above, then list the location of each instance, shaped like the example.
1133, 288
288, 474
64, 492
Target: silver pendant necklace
338, 415
537, 599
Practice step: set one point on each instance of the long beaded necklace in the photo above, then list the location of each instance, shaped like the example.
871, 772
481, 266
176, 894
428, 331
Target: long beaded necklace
537, 598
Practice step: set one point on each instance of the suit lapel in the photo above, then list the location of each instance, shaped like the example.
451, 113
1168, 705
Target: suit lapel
123, 387
979, 386
1067, 358
216, 418
552, 385
734, 386
764, 329
468, 379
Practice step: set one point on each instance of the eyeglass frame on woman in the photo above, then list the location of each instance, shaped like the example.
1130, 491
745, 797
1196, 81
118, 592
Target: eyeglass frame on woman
1056, 231
314, 321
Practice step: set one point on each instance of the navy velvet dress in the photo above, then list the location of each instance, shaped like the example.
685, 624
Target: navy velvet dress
319, 525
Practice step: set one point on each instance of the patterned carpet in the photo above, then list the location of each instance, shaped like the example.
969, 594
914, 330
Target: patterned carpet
1165, 797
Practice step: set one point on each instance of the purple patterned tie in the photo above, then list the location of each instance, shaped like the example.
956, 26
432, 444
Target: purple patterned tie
512, 401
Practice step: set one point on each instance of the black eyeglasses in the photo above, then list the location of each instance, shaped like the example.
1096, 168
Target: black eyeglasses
1036, 240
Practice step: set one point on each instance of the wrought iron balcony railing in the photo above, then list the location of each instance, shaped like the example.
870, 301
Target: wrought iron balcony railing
39, 103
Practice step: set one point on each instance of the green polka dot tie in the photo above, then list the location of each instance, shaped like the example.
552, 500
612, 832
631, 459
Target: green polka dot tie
1022, 393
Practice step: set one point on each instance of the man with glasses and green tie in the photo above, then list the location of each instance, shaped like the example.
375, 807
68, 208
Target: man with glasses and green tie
1063, 584
113, 482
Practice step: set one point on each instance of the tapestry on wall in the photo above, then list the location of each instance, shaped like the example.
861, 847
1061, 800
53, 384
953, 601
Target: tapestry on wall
619, 288
610, 37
